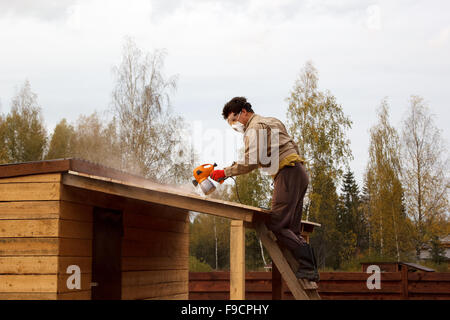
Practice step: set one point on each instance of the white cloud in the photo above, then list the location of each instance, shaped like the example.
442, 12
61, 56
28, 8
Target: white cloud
442, 38
221, 49
42, 9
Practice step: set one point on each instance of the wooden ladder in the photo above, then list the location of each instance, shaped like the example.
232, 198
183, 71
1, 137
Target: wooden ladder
301, 289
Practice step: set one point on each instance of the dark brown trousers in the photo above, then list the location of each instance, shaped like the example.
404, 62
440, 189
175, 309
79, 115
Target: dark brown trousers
287, 205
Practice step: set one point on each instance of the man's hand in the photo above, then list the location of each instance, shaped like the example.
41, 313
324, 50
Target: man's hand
218, 175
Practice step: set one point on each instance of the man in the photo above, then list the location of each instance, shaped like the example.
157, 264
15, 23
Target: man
290, 177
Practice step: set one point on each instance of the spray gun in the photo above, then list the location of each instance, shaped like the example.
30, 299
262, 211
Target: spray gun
201, 175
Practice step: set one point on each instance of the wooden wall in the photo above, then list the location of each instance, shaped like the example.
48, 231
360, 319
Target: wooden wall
155, 253
45, 227
29, 244
155, 246
332, 286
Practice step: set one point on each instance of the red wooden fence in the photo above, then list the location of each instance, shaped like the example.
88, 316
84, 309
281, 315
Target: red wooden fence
333, 285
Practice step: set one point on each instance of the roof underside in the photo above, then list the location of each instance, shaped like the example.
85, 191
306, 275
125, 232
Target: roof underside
83, 174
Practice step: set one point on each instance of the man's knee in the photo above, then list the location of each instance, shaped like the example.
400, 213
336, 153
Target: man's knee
273, 225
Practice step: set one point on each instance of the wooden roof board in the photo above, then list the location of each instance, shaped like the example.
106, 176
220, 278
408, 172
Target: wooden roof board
84, 174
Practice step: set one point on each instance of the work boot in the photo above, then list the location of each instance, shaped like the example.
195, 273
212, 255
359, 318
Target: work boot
307, 263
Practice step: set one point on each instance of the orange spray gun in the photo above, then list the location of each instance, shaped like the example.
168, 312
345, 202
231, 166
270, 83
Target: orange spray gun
201, 175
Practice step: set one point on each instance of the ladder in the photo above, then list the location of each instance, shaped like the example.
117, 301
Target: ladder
301, 289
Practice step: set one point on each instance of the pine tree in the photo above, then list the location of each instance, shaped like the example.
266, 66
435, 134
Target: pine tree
437, 250
352, 218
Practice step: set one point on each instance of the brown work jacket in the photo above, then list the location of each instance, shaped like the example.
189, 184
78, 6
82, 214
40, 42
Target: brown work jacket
256, 153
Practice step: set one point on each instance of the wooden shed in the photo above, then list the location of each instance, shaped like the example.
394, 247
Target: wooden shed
125, 236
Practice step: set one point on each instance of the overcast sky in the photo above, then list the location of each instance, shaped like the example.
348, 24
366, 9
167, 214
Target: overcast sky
364, 51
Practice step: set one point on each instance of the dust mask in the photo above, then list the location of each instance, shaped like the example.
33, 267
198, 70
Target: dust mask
237, 126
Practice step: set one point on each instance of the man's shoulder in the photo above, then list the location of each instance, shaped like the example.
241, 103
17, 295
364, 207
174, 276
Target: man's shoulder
264, 121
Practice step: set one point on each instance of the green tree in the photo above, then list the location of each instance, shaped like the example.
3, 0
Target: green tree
437, 250
24, 134
351, 217
3, 151
323, 208
210, 240
61, 141
95, 139
390, 228
318, 125
253, 189
196, 265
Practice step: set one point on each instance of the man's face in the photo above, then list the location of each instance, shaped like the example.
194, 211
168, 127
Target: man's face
232, 118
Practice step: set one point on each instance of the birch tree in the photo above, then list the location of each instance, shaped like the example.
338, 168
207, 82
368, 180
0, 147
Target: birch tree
319, 126
151, 137
389, 225
425, 174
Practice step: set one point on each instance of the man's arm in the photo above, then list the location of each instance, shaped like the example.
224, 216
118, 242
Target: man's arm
250, 147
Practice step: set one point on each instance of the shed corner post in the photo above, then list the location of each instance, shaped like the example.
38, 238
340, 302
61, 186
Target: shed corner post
237, 260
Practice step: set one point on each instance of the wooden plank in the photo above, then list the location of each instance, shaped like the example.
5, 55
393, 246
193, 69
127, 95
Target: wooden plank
209, 286
75, 229
224, 286
146, 235
429, 276
78, 295
148, 222
29, 246
166, 248
310, 287
28, 265
46, 177
84, 263
76, 211
209, 296
358, 276
85, 283
307, 285
360, 296
27, 296
237, 260
193, 203
180, 296
282, 265
225, 275
28, 283
153, 263
126, 205
277, 283
140, 278
29, 228
29, 191
154, 210
429, 287
154, 290
29, 210
358, 287
404, 271
75, 247
35, 167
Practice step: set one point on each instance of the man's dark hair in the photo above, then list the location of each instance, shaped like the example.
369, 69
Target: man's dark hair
235, 106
